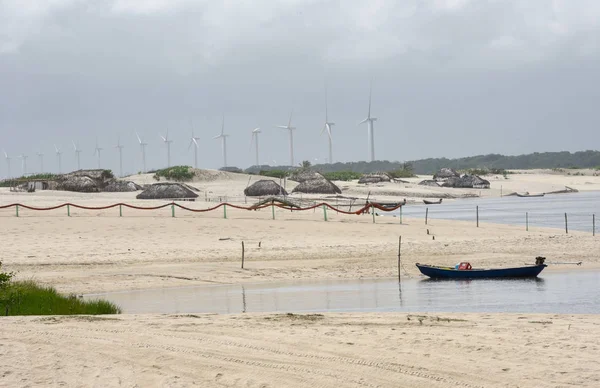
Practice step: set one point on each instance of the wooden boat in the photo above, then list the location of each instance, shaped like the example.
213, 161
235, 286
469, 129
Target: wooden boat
527, 195
465, 271
426, 202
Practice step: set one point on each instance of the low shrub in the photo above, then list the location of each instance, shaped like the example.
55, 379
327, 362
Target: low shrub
342, 175
175, 173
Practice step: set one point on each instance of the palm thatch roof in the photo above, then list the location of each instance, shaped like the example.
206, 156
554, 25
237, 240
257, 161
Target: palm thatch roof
121, 186
264, 187
317, 186
305, 175
375, 177
467, 182
82, 184
445, 173
429, 182
167, 191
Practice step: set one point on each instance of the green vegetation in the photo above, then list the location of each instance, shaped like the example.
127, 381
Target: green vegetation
342, 175
27, 298
546, 160
176, 173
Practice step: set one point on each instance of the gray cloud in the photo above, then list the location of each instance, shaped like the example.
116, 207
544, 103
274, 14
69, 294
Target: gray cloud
451, 78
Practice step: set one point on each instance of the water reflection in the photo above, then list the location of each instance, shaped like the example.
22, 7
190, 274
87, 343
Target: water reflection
574, 292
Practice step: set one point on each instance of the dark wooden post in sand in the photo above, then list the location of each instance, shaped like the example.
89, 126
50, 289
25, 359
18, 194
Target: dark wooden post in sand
243, 255
477, 210
593, 224
426, 214
566, 224
399, 257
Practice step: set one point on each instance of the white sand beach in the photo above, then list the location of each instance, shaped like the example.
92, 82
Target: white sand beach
96, 250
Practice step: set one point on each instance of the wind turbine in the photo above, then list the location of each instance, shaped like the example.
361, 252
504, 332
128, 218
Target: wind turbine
194, 142
41, 156
77, 152
24, 163
223, 138
97, 152
59, 158
120, 148
327, 127
370, 120
8, 158
291, 132
254, 140
168, 142
143, 148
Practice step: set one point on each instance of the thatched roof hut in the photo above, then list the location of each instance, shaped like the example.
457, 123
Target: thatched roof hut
84, 181
317, 186
81, 184
467, 182
305, 175
121, 186
264, 187
445, 173
375, 177
429, 182
167, 191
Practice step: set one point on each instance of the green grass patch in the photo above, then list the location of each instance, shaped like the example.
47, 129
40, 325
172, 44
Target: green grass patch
8, 182
402, 173
28, 298
342, 175
175, 173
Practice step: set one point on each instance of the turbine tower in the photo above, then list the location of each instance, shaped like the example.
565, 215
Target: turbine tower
120, 148
143, 148
254, 140
97, 152
77, 152
168, 142
59, 158
291, 132
194, 142
223, 138
41, 156
8, 158
327, 127
370, 129
24, 163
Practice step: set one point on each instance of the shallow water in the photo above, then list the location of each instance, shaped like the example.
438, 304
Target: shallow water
564, 292
548, 211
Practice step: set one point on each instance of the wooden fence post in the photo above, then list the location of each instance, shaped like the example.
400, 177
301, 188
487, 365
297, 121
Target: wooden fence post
566, 224
593, 224
426, 214
243, 251
324, 212
120, 210
399, 257
477, 211
527, 221
172, 210
400, 215
68, 211
273, 210
373, 212
17, 209
225, 211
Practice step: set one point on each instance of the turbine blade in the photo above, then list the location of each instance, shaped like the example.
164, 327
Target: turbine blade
223, 124
195, 142
290, 122
74, 146
323, 129
138, 137
364, 121
282, 126
190, 145
218, 136
163, 138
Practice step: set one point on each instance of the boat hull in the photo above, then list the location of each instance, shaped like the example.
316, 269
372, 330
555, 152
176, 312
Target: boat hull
435, 272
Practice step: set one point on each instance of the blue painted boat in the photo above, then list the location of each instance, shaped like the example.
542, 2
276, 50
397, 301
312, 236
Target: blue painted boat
436, 272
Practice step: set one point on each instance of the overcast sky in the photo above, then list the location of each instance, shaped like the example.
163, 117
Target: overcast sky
450, 78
